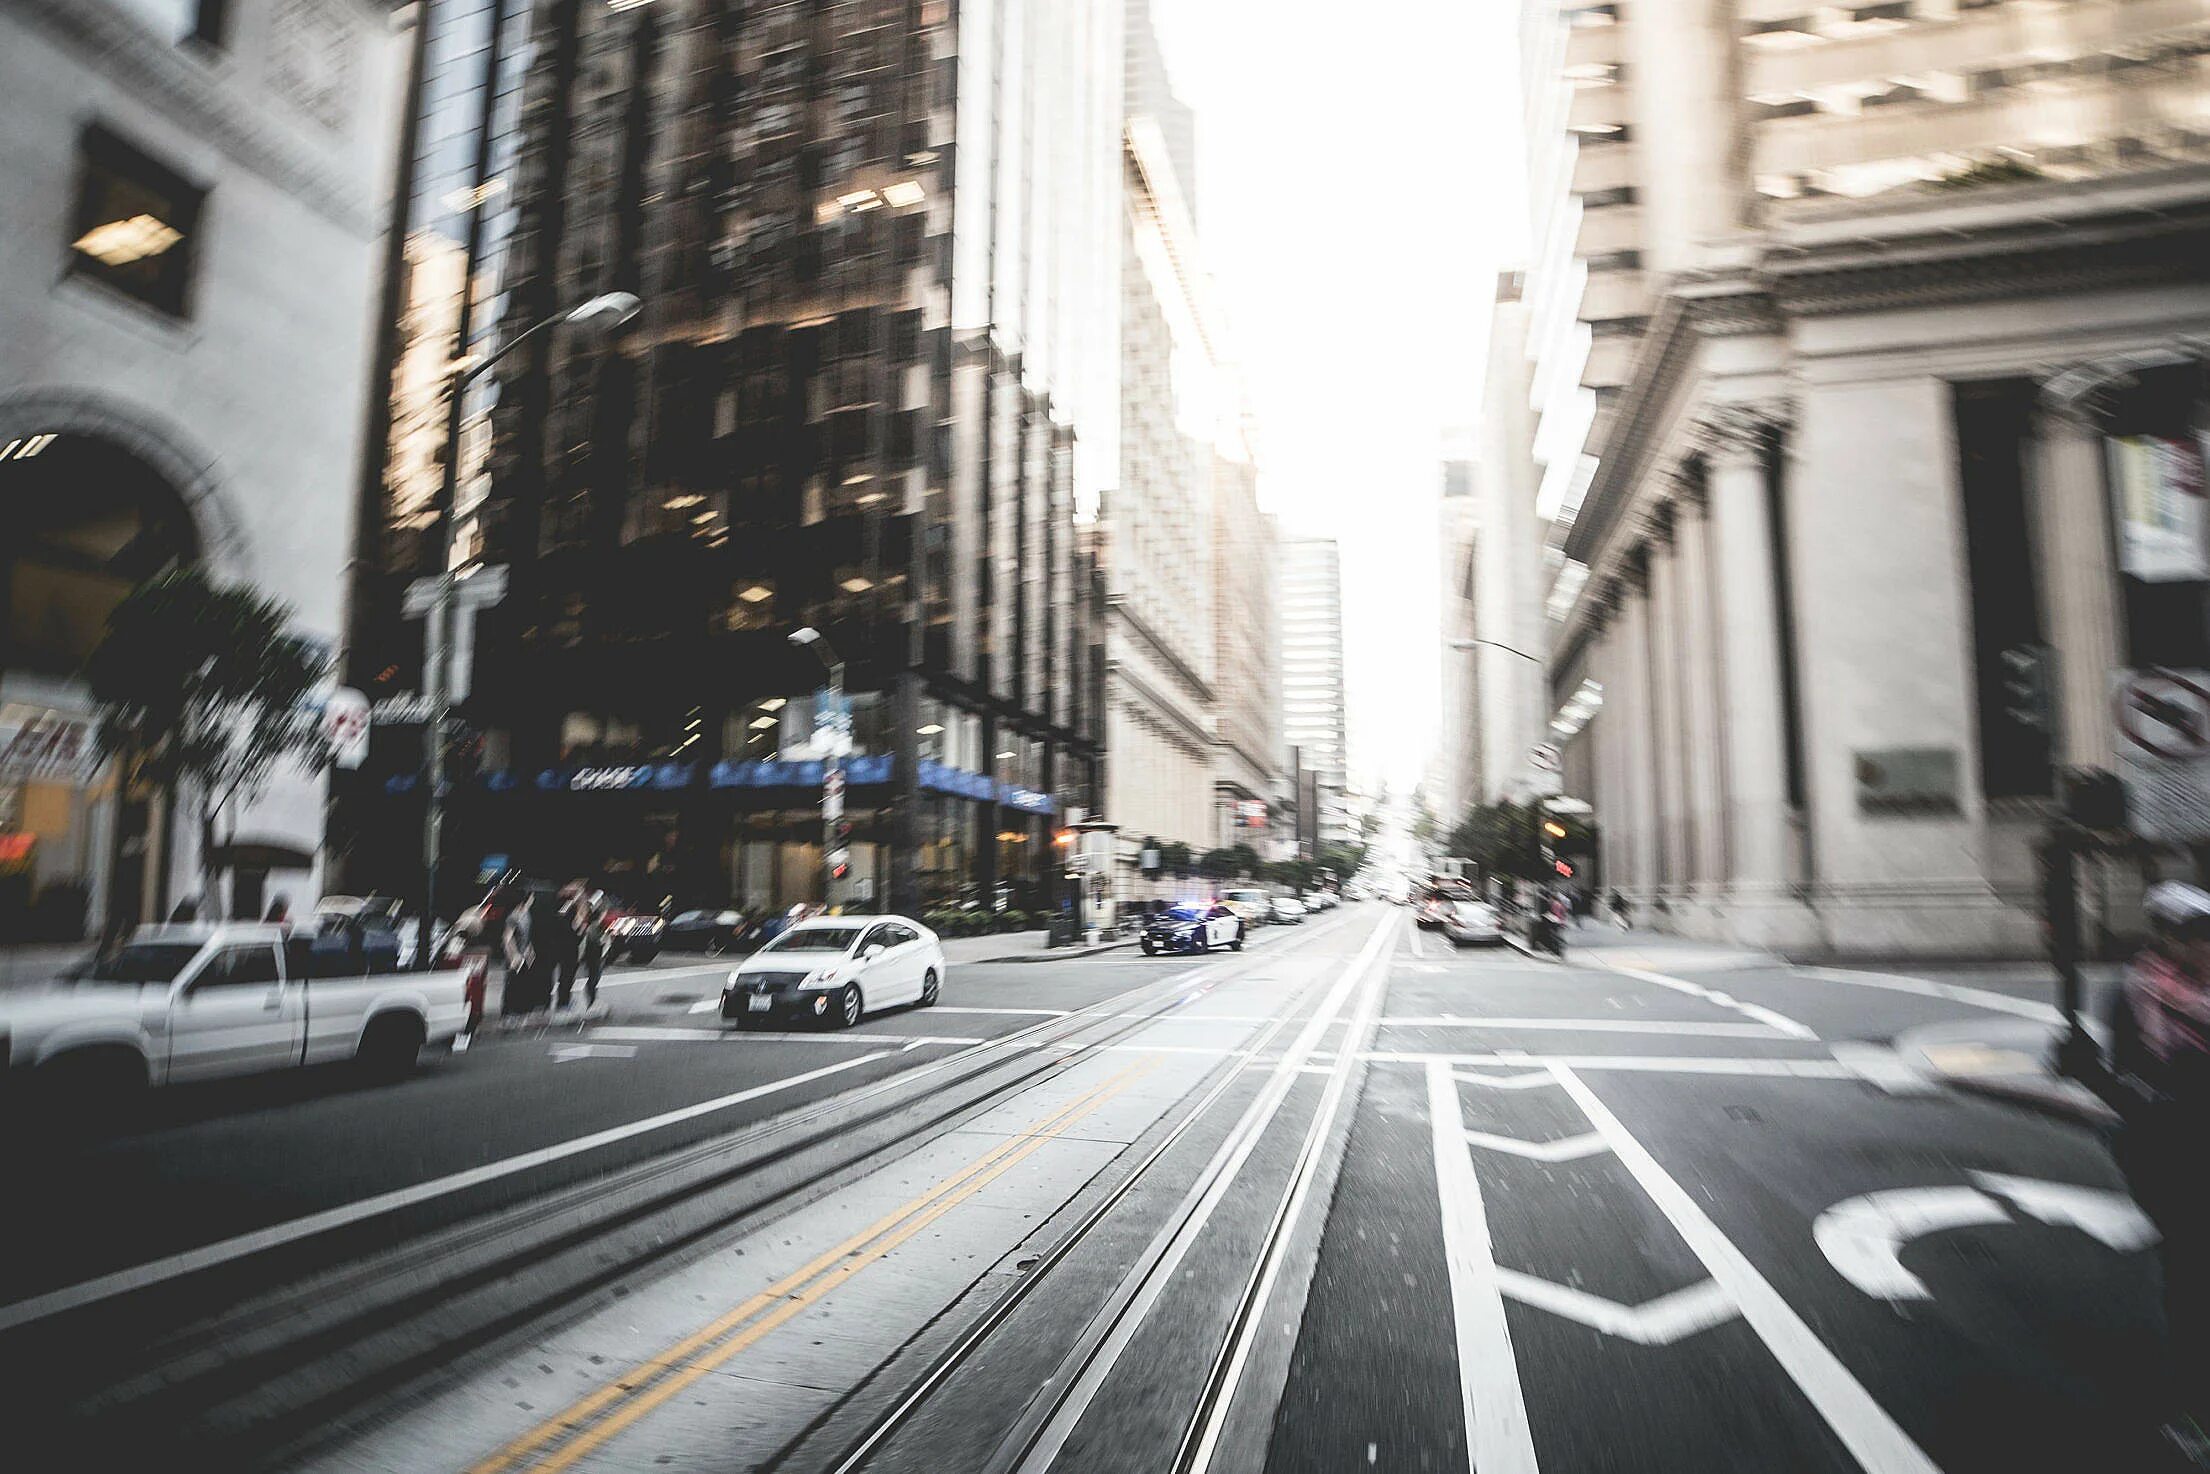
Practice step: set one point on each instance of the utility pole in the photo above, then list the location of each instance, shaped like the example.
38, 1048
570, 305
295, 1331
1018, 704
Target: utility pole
836, 834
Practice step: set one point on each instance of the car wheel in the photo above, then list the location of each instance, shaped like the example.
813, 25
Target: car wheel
715, 946
928, 988
1199, 942
849, 1006
1150, 948
1237, 944
90, 1092
390, 1047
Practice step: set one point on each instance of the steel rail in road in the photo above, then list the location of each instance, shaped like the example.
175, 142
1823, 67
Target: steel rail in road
1044, 1423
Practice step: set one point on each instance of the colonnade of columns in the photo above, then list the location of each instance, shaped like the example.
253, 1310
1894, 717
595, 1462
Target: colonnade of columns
1692, 791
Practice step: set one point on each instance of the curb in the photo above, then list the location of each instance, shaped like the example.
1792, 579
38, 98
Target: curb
1051, 954
2058, 1100
1530, 953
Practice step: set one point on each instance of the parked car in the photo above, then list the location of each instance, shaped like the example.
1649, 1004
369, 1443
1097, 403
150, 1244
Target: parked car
633, 934
710, 932
1196, 928
1320, 900
1287, 910
834, 969
1249, 903
1473, 924
206, 1001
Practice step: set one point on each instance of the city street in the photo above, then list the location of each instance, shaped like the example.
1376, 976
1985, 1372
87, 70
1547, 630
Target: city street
1661, 1207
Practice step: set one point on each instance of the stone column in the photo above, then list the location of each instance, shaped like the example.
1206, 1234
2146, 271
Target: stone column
1746, 612
1666, 708
2077, 568
1638, 762
1605, 789
1699, 667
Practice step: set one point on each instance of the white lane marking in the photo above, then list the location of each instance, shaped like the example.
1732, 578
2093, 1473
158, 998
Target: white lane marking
88, 1292
1589, 1026
1763, 1015
563, 1053
1498, 1438
1419, 943
1564, 1149
2109, 1217
1505, 1082
1660, 1064
1879, 1065
1927, 988
671, 1034
1863, 1237
1863, 1426
1658, 1322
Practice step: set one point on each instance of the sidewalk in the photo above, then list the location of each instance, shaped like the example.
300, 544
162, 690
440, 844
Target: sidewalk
1021, 946
29, 964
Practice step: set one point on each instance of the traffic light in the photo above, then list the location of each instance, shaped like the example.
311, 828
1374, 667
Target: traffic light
1553, 828
1565, 869
1065, 838
2026, 686
840, 864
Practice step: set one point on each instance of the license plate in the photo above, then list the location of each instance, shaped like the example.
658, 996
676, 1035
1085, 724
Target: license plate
758, 1002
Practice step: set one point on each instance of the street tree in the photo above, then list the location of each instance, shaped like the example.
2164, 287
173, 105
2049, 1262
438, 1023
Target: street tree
199, 690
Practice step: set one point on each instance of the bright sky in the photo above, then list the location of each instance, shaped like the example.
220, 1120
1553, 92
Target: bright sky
1358, 188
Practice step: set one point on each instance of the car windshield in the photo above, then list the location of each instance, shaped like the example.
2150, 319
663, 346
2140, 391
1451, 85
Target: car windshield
142, 962
1184, 913
687, 917
815, 939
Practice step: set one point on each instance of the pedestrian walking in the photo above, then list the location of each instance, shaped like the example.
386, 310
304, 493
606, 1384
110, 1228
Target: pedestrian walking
525, 962
1619, 913
563, 942
594, 948
2160, 1067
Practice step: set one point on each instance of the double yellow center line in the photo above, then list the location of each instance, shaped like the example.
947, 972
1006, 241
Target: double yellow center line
571, 1434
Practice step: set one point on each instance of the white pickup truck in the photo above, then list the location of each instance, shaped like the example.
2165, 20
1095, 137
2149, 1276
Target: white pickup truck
193, 1002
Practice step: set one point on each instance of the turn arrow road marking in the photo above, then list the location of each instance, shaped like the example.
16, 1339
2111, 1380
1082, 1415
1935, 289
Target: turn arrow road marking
2101, 1214
1863, 1237
1564, 1149
1658, 1322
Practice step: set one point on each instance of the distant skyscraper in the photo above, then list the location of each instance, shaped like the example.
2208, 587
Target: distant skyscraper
1454, 777
1314, 718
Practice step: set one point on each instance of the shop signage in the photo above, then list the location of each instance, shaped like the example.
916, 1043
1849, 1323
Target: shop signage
1250, 813
41, 745
943, 778
1907, 781
1028, 800
345, 722
408, 706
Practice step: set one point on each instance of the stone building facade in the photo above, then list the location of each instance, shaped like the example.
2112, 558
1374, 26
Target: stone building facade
190, 234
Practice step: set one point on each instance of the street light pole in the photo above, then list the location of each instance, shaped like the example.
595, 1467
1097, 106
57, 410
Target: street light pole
833, 853
604, 313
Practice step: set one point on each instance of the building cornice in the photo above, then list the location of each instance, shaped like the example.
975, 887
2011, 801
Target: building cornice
167, 77
1986, 244
1199, 689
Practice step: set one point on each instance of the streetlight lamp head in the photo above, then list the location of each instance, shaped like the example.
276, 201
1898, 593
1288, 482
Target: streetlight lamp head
606, 312
806, 635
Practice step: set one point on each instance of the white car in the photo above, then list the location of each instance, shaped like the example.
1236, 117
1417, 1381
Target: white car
1472, 924
833, 969
1287, 910
206, 1001
1248, 903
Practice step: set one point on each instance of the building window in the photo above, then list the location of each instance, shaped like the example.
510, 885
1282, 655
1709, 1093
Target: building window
1599, 199
1616, 261
136, 223
211, 23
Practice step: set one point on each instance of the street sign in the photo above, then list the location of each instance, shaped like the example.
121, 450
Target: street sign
345, 727
1545, 758
2163, 722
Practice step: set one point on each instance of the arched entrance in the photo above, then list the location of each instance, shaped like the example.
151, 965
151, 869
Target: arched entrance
88, 517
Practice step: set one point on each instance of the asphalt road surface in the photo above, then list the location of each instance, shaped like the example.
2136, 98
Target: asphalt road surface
1350, 1200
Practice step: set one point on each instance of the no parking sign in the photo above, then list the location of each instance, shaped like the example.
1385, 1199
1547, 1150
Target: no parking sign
2163, 722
